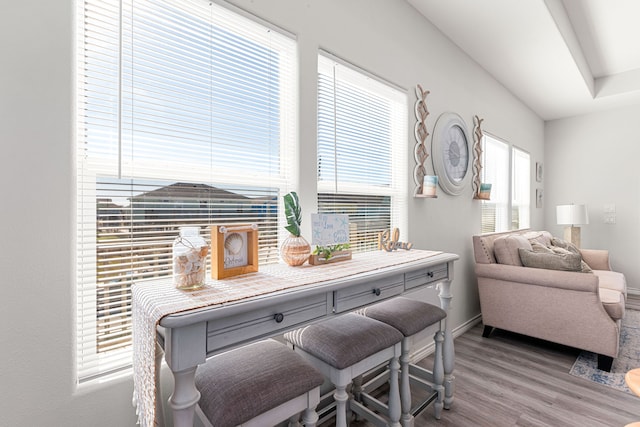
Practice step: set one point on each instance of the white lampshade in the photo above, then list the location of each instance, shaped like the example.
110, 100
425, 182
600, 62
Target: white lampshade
572, 214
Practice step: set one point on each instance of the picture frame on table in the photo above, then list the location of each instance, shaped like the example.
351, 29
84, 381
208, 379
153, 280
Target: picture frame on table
234, 250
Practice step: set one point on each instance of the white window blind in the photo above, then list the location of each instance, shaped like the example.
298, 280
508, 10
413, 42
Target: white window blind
495, 170
186, 116
521, 184
362, 154
508, 170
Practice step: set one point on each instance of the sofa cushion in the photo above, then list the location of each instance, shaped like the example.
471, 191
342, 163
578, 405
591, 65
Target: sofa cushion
612, 280
613, 303
505, 249
550, 261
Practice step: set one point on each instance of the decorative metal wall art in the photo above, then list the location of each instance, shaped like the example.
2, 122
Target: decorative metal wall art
421, 133
480, 191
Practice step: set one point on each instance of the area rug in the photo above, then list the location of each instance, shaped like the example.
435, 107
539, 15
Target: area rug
628, 358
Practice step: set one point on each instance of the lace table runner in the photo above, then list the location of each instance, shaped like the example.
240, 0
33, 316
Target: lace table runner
156, 299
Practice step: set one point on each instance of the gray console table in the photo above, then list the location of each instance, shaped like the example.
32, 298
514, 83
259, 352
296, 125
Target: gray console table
190, 337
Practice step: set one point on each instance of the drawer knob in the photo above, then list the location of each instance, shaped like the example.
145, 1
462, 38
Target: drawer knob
278, 317
377, 291
430, 273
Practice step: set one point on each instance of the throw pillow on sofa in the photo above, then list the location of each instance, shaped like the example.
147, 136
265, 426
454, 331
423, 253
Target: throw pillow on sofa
541, 237
550, 260
557, 244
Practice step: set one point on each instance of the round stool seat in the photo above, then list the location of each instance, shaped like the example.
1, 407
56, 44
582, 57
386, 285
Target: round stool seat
344, 341
244, 383
406, 315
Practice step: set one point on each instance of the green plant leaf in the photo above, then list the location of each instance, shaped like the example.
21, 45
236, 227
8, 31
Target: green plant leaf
293, 229
293, 213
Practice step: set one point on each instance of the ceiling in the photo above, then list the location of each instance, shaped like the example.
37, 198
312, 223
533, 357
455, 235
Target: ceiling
560, 57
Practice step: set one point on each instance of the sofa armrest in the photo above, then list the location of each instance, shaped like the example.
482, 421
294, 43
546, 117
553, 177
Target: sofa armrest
597, 259
571, 280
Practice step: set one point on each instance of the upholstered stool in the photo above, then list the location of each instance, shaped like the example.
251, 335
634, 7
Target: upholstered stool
345, 347
410, 317
261, 384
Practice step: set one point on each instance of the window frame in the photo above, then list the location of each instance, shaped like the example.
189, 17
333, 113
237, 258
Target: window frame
397, 188
92, 364
509, 221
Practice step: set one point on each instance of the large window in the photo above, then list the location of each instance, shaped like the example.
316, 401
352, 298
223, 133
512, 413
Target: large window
508, 169
362, 154
186, 116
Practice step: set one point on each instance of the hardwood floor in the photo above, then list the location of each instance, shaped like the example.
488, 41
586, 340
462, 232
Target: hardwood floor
512, 380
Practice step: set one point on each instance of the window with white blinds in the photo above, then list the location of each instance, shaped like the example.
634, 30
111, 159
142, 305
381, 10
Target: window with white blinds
508, 170
186, 115
495, 170
521, 194
362, 154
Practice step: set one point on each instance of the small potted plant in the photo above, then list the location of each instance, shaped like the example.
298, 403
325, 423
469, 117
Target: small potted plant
332, 253
295, 250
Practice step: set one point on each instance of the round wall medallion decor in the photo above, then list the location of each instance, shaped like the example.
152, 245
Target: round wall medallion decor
451, 152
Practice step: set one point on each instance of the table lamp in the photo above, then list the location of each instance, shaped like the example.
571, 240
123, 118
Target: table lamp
572, 215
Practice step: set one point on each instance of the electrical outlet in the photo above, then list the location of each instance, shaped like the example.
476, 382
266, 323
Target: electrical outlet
610, 219
609, 208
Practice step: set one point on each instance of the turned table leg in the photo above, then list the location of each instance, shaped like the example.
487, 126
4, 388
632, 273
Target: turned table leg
448, 352
159, 405
184, 398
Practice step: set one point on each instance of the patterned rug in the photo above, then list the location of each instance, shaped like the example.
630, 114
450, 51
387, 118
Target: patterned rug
628, 358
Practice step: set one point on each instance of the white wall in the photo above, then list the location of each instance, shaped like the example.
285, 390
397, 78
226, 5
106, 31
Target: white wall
386, 37
392, 40
592, 159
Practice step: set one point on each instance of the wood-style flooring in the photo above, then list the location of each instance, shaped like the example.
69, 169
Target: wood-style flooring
512, 380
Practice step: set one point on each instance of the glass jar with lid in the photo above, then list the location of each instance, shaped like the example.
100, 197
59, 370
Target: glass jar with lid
189, 259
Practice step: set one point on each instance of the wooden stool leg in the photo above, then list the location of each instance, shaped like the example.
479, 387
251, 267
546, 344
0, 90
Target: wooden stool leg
405, 387
294, 421
310, 417
341, 397
394, 393
438, 374
356, 388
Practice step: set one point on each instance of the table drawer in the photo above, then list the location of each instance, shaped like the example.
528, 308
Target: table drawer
225, 332
425, 276
367, 293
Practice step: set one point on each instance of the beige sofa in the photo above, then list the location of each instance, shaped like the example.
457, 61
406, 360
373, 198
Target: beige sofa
574, 308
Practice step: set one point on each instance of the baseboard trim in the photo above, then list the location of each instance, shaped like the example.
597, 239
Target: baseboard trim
633, 291
633, 299
428, 349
